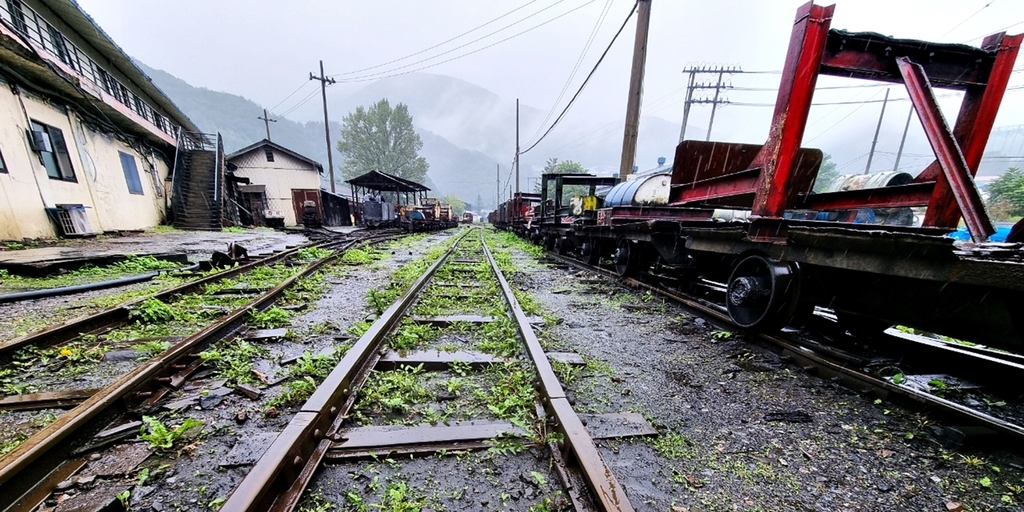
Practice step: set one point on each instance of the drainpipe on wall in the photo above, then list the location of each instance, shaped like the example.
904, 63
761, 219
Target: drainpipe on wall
28, 123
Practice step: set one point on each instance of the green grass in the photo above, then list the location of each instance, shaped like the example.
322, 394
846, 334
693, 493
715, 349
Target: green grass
133, 265
233, 360
161, 437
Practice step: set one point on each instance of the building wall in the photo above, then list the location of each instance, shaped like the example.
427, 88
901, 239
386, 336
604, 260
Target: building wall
280, 177
100, 186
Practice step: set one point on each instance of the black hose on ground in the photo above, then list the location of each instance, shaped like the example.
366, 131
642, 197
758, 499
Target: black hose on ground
70, 290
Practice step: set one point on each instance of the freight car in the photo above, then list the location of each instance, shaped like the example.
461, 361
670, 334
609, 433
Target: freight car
738, 223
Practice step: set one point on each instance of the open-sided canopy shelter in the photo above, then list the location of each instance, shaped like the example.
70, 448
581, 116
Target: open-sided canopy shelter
376, 181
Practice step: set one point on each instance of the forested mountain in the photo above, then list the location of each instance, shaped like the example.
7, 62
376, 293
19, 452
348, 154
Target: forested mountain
466, 130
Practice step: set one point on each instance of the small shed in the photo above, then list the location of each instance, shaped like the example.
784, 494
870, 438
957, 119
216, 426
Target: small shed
280, 180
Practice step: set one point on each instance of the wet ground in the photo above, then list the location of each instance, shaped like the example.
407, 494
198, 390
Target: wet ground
739, 427
20, 318
246, 398
742, 429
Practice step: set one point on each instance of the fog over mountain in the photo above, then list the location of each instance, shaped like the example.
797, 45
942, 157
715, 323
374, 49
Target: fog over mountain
467, 131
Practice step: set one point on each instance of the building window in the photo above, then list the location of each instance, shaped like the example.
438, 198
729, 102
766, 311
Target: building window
3, 166
48, 141
270, 154
131, 173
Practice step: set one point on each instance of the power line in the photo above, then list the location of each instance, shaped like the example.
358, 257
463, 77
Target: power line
967, 18
363, 78
442, 43
297, 89
586, 48
1021, 22
585, 82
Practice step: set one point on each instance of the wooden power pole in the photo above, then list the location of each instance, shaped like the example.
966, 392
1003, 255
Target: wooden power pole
266, 121
517, 145
324, 80
636, 86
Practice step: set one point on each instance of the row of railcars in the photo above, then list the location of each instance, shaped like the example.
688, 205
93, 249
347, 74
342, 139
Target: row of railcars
739, 222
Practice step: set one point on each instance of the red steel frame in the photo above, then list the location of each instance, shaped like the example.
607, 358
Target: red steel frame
946, 186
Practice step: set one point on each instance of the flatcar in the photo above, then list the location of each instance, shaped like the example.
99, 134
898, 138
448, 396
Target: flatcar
740, 223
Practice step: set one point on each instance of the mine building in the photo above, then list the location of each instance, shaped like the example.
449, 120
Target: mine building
87, 141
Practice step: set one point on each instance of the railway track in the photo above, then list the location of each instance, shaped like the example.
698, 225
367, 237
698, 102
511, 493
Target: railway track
919, 368
31, 470
325, 431
102, 321
457, 290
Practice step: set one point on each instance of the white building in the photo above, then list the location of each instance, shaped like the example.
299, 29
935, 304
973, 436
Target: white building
87, 142
280, 180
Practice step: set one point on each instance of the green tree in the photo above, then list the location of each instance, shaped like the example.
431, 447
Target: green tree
383, 139
457, 204
1006, 195
827, 173
553, 166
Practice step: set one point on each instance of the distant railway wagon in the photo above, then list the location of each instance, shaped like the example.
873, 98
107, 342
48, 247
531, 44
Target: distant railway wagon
739, 223
391, 201
467, 217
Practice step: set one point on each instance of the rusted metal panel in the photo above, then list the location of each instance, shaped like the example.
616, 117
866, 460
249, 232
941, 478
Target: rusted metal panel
947, 151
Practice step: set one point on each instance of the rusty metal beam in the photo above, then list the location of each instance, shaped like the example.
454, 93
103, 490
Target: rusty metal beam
606, 490
947, 151
916, 194
46, 400
973, 127
778, 157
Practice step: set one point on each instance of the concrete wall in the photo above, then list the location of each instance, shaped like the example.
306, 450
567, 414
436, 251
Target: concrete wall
280, 177
100, 185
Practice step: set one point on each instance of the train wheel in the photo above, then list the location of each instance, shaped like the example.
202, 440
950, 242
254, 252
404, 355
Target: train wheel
763, 293
549, 242
627, 257
563, 246
591, 251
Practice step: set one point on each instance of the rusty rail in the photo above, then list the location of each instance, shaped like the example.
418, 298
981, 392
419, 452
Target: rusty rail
852, 377
113, 316
578, 447
279, 478
22, 469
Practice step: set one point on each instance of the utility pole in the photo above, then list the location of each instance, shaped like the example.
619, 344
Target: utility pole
717, 99
497, 185
636, 89
267, 120
517, 145
906, 128
878, 128
324, 80
714, 107
686, 103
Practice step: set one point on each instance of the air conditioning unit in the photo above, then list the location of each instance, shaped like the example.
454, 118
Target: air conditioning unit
73, 220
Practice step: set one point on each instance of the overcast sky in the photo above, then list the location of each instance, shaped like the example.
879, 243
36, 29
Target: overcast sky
264, 50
